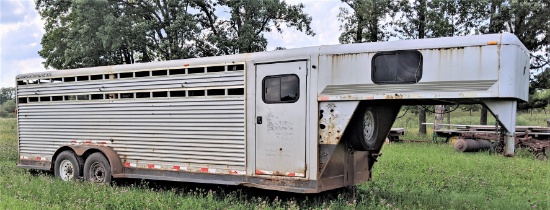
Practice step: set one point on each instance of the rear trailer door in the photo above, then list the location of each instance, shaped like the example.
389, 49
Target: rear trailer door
281, 118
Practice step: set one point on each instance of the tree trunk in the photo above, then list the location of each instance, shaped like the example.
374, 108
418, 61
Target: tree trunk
439, 109
422, 19
483, 117
359, 32
421, 34
448, 120
421, 120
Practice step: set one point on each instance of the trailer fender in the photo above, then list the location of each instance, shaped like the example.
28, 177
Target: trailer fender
370, 125
112, 156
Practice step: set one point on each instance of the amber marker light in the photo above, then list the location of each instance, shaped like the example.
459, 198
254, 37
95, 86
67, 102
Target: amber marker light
492, 43
186, 64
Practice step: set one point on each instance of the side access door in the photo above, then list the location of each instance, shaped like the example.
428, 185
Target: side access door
281, 118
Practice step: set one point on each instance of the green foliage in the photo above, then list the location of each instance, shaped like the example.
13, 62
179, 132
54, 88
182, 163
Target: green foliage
9, 106
539, 92
435, 18
95, 33
6, 94
470, 108
364, 20
540, 81
528, 20
75, 33
8, 109
242, 33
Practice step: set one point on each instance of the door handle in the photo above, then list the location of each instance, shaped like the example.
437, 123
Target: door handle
259, 120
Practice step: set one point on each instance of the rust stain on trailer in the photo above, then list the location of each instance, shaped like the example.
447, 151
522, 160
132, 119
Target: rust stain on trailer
328, 127
393, 96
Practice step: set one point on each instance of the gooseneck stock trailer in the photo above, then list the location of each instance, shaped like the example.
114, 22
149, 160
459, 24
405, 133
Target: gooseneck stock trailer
302, 120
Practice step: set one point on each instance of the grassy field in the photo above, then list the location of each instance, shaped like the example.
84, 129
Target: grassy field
407, 176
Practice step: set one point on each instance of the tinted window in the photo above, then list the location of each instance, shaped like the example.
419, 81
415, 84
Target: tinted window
397, 67
281, 89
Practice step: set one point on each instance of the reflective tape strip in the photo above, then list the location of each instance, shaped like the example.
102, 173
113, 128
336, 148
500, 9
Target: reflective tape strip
185, 168
237, 172
153, 166
264, 172
129, 164
208, 170
88, 142
292, 174
179, 168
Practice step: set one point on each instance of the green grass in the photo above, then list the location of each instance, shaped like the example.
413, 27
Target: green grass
407, 176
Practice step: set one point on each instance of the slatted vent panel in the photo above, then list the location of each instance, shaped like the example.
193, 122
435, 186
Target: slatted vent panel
195, 131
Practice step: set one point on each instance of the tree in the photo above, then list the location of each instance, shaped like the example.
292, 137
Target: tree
243, 32
7, 109
421, 19
364, 20
93, 33
529, 21
9, 106
437, 18
76, 34
6, 94
539, 92
540, 81
470, 108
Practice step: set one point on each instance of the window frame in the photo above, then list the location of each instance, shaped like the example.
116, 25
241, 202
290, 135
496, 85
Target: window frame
279, 76
373, 67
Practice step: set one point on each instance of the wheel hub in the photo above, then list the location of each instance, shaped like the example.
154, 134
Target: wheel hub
368, 125
98, 172
66, 170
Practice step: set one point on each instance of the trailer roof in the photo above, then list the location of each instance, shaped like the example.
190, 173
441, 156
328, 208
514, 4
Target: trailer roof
432, 43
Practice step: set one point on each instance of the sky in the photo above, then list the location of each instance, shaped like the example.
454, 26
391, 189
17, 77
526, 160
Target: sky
21, 30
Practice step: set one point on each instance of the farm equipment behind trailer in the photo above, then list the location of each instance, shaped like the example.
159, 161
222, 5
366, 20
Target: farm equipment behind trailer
473, 138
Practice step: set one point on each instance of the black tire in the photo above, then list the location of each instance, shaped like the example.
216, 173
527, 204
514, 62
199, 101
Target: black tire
97, 169
67, 166
370, 126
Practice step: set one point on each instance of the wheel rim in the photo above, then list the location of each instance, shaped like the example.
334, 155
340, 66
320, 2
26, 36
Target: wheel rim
541, 156
453, 140
66, 170
97, 172
368, 125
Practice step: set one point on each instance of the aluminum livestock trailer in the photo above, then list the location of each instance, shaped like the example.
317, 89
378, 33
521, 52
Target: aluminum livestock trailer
302, 120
